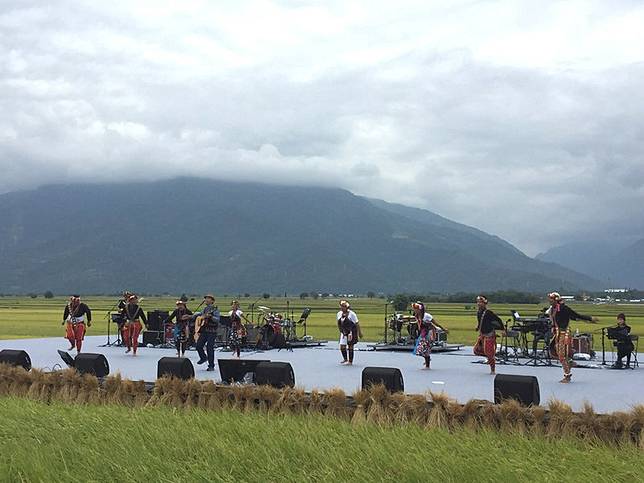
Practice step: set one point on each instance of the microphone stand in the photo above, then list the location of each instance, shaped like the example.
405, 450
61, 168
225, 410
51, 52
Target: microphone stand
603, 347
108, 316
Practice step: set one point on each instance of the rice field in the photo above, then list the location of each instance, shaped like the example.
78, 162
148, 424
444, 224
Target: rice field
78, 443
25, 317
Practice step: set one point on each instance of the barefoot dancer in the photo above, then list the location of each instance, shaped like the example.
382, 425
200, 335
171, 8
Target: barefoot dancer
350, 332
182, 316
560, 315
427, 326
133, 316
487, 323
237, 329
74, 317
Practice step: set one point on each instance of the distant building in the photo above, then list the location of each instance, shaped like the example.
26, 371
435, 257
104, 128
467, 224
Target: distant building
616, 290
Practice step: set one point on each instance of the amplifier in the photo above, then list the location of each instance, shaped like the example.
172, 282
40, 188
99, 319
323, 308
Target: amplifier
156, 319
154, 337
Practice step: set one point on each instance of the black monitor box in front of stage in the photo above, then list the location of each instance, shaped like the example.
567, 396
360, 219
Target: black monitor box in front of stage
15, 358
524, 389
156, 318
276, 374
179, 367
94, 364
390, 377
235, 370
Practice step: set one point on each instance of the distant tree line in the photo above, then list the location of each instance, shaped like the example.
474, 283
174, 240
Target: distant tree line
403, 300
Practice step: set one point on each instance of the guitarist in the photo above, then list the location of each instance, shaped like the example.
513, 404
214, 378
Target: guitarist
182, 316
206, 331
74, 316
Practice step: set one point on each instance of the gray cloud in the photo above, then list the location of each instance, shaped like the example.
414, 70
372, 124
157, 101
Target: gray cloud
537, 154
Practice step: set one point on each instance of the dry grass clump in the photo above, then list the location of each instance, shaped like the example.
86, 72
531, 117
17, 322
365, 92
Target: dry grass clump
375, 405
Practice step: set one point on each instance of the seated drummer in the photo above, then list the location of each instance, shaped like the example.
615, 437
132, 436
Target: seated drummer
623, 342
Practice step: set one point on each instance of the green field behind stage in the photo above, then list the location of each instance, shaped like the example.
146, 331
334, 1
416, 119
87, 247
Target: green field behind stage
27, 317
57, 442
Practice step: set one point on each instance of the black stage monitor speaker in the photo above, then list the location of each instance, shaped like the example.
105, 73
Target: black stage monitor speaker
156, 318
179, 367
524, 389
276, 374
94, 364
154, 337
390, 377
15, 358
234, 370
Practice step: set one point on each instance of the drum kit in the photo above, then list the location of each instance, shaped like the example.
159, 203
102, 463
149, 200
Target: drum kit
274, 330
399, 321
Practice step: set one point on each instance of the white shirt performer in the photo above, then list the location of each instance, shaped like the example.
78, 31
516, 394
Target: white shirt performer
349, 327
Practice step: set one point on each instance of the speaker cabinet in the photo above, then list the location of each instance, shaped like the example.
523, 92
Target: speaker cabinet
15, 358
154, 337
524, 389
276, 374
94, 364
234, 370
179, 367
390, 377
156, 319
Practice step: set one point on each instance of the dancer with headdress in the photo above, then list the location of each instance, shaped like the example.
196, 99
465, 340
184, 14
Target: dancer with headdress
133, 316
350, 332
181, 330
560, 316
237, 331
487, 324
74, 319
427, 327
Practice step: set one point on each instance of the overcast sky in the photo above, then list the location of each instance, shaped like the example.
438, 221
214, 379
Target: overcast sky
524, 119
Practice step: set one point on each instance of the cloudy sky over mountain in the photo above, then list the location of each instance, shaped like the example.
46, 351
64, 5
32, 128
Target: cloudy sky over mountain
524, 119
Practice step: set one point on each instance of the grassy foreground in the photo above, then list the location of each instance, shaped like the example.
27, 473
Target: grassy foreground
23, 317
57, 442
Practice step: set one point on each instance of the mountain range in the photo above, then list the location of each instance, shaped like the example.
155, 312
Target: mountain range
620, 264
195, 235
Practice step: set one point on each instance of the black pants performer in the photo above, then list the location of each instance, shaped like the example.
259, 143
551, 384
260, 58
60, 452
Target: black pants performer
207, 339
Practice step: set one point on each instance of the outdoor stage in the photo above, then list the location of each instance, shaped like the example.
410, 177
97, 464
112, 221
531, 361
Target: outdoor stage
318, 367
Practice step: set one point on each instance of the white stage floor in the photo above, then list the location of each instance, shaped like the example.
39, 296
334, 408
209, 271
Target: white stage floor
452, 372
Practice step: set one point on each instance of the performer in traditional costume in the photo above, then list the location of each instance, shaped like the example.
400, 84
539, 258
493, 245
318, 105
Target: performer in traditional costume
623, 342
208, 320
181, 330
560, 316
133, 316
237, 331
350, 331
427, 327
74, 319
487, 324
122, 326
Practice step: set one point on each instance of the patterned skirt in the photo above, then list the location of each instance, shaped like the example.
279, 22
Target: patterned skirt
423, 346
234, 339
